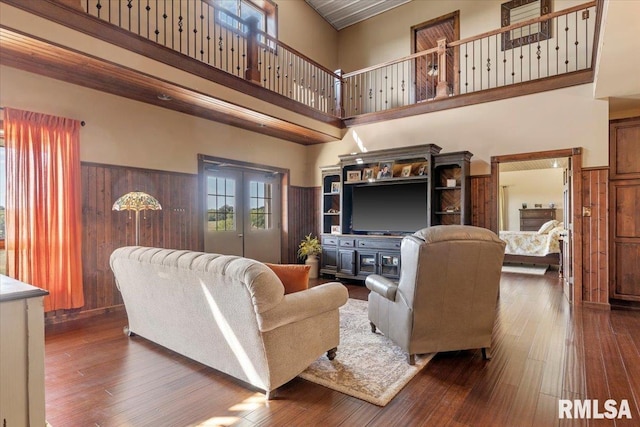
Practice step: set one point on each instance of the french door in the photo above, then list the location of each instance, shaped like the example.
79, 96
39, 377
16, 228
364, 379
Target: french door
242, 213
567, 219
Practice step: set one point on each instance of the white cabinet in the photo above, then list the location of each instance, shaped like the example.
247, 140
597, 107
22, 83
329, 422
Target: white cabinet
21, 354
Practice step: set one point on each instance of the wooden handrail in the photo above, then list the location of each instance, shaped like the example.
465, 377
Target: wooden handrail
478, 37
305, 58
523, 24
394, 61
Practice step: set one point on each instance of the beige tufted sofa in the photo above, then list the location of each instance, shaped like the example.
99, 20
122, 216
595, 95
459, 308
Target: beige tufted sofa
227, 312
447, 294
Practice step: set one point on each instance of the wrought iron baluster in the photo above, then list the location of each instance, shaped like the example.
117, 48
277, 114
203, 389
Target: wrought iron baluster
164, 20
566, 43
129, 5
480, 63
180, 24
586, 38
557, 48
576, 42
488, 63
538, 56
548, 51
148, 9
497, 59
466, 68
521, 64
157, 30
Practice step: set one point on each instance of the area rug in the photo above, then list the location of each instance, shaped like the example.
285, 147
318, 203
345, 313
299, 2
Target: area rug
537, 270
367, 366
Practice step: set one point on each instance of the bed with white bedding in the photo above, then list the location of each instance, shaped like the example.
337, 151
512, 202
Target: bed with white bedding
538, 247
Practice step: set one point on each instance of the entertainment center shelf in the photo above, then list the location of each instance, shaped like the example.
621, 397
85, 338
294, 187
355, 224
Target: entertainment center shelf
371, 200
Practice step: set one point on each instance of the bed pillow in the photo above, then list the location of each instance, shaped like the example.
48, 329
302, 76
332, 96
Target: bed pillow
548, 226
294, 277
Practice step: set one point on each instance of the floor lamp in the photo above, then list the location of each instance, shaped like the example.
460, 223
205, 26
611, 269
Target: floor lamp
137, 201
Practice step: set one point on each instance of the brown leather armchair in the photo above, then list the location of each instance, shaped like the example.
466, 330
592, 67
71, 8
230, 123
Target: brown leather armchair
447, 294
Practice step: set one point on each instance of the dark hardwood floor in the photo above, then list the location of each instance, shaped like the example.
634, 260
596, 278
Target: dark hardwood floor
544, 350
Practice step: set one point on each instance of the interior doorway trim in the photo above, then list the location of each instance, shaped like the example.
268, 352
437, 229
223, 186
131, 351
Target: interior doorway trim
576, 202
205, 161
455, 17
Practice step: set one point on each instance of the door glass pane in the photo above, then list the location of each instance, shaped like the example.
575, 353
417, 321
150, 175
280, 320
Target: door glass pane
221, 203
260, 202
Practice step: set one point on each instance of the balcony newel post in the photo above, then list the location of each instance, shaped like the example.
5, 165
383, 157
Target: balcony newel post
338, 88
442, 90
252, 72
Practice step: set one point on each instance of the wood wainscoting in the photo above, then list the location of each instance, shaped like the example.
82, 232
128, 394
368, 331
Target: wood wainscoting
176, 226
595, 241
303, 217
104, 230
481, 201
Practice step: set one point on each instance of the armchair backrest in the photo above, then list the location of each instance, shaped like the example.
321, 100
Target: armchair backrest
450, 277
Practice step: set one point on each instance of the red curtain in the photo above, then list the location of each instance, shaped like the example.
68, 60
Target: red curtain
43, 212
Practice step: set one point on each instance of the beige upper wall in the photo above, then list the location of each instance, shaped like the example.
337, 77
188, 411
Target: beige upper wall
552, 120
297, 21
388, 36
130, 133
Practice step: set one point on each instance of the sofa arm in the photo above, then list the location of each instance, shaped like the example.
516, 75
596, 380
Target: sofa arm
382, 286
304, 304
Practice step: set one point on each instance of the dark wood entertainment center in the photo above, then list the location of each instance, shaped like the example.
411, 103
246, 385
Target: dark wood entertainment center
361, 234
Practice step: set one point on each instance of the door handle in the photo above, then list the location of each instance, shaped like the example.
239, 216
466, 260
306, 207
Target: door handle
240, 235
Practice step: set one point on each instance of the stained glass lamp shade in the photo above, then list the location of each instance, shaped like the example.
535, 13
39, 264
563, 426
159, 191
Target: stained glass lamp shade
137, 201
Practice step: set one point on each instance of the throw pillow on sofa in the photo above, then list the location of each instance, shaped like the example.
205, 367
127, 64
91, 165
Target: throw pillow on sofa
294, 277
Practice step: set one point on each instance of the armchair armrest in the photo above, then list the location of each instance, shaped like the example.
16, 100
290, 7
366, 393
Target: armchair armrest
304, 304
382, 286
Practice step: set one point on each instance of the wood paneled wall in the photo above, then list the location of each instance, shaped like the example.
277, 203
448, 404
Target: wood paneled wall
595, 235
104, 230
303, 218
481, 201
175, 226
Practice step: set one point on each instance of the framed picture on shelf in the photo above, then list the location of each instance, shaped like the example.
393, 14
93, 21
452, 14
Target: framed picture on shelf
335, 229
367, 173
354, 176
385, 170
406, 171
423, 170
335, 187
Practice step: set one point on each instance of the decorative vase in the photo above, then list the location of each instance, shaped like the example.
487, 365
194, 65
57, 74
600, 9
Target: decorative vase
312, 260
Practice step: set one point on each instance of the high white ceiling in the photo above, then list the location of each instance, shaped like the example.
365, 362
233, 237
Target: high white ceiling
342, 13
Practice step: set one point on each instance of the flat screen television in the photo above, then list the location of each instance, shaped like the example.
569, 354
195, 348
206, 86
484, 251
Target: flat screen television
389, 208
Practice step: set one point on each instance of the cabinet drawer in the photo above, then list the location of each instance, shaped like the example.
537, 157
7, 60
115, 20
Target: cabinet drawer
347, 243
538, 213
379, 244
534, 224
329, 241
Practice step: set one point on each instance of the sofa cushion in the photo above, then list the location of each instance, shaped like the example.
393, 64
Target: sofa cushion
294, 277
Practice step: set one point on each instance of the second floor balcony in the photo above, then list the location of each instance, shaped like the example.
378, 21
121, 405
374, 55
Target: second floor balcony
554, 50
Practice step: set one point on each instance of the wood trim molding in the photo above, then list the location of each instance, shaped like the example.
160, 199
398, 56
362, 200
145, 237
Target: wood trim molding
576, 202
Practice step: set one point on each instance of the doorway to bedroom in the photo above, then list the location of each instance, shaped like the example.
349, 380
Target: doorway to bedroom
534, 212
